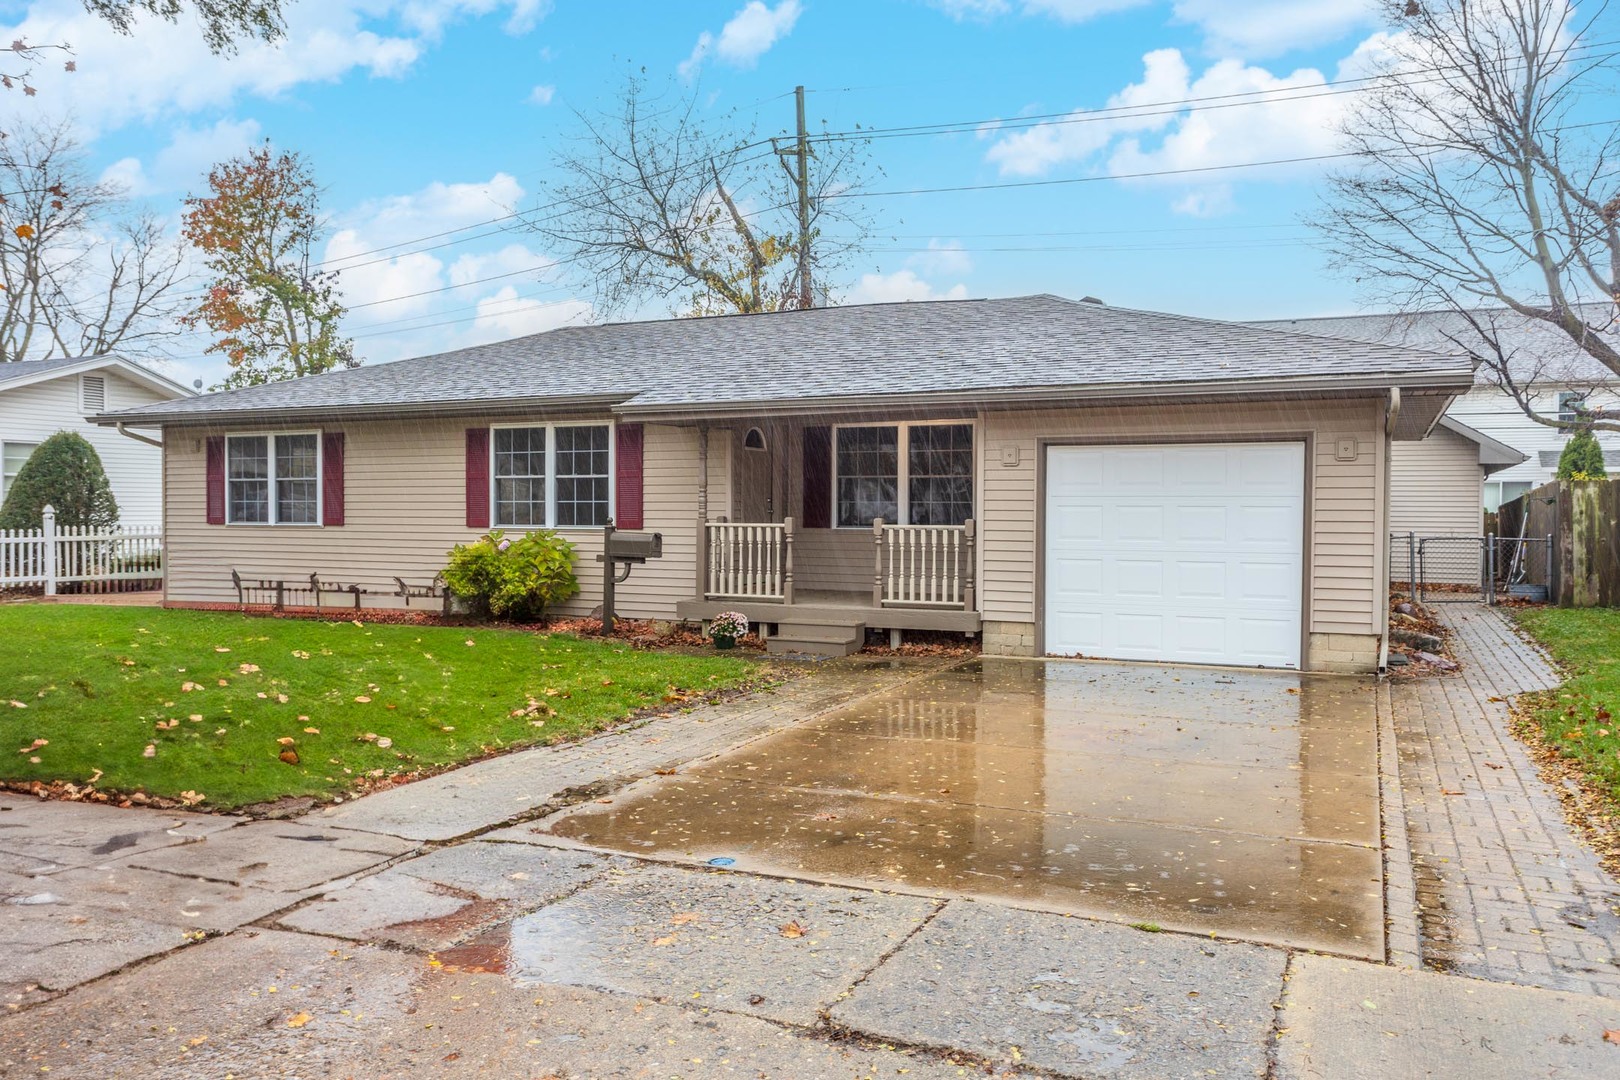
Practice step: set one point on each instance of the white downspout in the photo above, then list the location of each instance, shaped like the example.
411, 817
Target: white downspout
1392, 413
138, 437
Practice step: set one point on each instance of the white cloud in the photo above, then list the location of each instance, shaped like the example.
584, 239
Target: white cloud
1269, 27
1211, 201
542, 95
899, 286
1069, 11
1034, 151
745, 37
1073, 11
165, 68
513, 259
1282, 118
506, 314
944, 258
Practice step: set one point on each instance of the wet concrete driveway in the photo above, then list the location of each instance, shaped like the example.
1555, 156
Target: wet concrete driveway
1239, 803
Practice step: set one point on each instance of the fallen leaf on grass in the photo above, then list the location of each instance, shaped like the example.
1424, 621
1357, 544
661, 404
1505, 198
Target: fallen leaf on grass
299, 1019
312, 731
195, 718
362, 699
300, 654
188, 687
221, 648
289, 755
470, 641
150, 751
167, 725
35, 745
224, 682
282, 698
792, 930
384, 743
15, 704
285, 740
247, 669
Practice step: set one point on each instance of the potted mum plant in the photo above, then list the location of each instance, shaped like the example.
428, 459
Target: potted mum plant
726, 627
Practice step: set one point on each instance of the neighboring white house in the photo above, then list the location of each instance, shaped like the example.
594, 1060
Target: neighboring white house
1533, 346
38, 398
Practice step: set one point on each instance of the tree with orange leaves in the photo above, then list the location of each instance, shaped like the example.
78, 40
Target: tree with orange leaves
275, 316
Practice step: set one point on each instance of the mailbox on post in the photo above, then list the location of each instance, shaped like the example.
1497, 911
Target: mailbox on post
626, 550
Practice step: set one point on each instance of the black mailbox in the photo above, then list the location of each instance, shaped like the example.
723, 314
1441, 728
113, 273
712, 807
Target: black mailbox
635, 546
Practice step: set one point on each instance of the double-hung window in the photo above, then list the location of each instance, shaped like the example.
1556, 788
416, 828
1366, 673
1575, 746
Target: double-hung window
273, 479
556, 476
906, 474
13, 456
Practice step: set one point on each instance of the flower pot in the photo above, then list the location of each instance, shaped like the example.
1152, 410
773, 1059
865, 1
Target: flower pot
722, 641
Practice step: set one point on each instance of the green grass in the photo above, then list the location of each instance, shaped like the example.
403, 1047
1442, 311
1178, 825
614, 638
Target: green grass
98, 682
1582, 717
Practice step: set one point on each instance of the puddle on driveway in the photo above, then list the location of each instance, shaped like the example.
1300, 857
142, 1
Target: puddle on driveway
1240, 803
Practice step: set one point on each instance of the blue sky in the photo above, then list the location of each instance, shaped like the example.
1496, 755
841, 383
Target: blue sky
428, 115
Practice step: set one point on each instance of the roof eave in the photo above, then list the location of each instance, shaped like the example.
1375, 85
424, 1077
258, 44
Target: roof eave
368, 411
1453, 383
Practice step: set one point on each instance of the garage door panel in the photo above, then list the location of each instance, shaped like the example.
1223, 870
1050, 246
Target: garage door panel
1205, 567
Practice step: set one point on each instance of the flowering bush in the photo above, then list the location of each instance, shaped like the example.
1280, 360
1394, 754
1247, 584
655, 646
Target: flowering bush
513, 579
728, 624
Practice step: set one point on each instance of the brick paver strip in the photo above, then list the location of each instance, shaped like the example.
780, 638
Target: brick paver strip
1506, 889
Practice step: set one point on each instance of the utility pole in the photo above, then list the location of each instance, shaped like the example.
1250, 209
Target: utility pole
801, 180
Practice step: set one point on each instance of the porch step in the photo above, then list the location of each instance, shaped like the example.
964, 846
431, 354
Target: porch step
817, 639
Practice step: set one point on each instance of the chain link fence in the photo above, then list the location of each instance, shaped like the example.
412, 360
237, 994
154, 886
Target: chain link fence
1471, 569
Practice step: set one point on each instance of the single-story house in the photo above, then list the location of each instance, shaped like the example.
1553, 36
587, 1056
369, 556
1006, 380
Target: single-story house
38, 398
1556, 373
1059, 477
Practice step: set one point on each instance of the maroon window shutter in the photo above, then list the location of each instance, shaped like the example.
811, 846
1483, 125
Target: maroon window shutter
216, 479
818, 478
477, 478
629, 453
332, 477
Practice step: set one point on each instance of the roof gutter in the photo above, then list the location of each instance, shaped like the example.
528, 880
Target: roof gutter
383, 411
1050, 396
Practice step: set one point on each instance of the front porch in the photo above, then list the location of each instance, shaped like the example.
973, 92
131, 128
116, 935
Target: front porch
815, 555
922, 579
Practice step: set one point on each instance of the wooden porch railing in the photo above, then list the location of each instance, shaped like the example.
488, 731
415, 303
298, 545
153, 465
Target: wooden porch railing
749, 561
924, 565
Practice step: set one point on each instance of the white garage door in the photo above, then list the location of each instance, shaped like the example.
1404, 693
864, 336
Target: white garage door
1188, 553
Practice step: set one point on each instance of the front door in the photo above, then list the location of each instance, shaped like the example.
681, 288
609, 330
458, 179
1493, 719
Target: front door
754, 460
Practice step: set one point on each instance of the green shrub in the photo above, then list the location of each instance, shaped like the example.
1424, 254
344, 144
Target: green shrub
64, 472
1582, 458
516, 580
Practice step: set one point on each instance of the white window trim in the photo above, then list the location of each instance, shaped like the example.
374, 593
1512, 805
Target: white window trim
902, 465
551, 474
320, 480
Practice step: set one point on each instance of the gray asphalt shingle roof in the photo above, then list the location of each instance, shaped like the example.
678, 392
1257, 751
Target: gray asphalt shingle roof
1532, 345
968, 346
23, 369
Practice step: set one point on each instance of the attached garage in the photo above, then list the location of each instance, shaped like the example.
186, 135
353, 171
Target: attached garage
1189, 553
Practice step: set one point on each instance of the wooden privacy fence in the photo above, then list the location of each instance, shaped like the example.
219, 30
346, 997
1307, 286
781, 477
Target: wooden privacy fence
125, 558
1583, 518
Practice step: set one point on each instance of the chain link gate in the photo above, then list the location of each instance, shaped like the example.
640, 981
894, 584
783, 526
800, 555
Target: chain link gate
1471, 569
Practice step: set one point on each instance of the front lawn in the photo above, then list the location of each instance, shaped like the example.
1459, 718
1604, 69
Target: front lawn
244, 710
1581, 719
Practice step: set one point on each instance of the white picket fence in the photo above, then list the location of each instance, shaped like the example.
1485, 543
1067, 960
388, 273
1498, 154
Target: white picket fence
93, 560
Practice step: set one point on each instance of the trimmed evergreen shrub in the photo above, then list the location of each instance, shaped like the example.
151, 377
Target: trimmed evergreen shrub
1582, 458
65, 472
516, 580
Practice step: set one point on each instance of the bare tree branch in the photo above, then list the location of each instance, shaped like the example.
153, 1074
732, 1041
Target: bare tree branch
1477, 190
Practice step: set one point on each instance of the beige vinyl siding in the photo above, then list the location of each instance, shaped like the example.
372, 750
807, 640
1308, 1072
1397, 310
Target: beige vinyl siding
405, 508
1435, 486
1344, 511
33, 413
